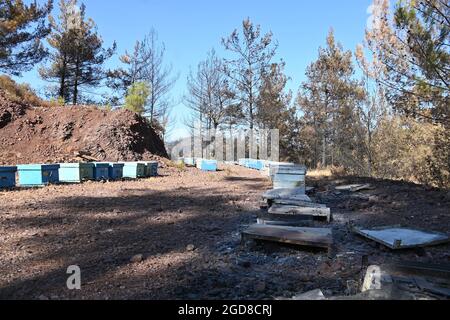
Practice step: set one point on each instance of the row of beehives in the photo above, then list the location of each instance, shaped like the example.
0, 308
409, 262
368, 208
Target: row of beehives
30, 175
202, 164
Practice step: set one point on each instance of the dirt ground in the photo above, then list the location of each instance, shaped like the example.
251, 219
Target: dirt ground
177, 236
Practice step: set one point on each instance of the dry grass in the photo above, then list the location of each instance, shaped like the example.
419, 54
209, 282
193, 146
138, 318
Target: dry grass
326, 172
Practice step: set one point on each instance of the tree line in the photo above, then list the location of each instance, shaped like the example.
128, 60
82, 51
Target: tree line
392, 122
379, 110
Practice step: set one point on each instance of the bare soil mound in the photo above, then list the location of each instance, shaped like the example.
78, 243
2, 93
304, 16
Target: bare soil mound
36, 134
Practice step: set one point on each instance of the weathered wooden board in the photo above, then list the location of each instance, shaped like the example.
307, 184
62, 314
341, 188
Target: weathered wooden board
285, 217
299, 203
313, 237
402, 238
354, 187
301, 221
289, 193
295, 210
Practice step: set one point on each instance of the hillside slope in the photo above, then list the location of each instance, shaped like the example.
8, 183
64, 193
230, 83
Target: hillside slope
36, 134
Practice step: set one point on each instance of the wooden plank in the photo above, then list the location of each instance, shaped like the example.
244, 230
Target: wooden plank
355, 187
293, 220
313, 237
287, 193
294, 202
287, 223
295, 210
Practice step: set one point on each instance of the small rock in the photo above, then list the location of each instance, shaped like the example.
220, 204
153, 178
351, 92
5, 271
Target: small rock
190, 247
43, 297
137, 258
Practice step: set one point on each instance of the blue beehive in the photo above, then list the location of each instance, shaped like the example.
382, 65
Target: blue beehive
101, 171
115, 171
207, 165
244, 162
76, 172
255, 164
133, 170
8, 177
38, 174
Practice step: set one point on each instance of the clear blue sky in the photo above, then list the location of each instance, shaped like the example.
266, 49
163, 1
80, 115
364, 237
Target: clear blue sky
190, 28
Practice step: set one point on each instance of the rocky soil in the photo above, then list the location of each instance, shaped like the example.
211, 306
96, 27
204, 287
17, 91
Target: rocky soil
36, 134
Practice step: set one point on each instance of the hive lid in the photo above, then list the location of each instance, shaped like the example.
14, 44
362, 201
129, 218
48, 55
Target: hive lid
8, 168
115, 164
101, 164
76, 165
133, 164
37, 166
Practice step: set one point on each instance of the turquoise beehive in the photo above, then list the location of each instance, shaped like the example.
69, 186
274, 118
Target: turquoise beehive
38, 174
133, 170
207, 165
8, 177
76, 172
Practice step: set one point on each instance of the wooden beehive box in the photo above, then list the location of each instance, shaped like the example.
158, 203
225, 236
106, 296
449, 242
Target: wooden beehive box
38, 174
8, 176
76, 172
101, 171
115, 171
285, 176
207, 165
133, 170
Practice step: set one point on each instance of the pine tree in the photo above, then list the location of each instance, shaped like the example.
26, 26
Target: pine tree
413, 48
78, 56
253, 55
210, 95
328, 100
22, 27
137, 97
274, 110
